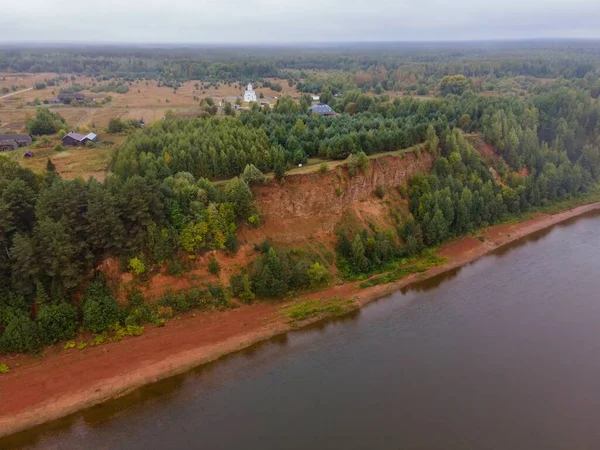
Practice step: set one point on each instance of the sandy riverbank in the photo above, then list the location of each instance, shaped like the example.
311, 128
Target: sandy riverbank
63, 382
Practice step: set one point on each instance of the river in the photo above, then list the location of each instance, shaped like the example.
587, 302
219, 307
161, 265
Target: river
501, 354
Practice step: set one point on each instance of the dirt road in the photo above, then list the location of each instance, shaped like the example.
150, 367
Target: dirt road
15, 93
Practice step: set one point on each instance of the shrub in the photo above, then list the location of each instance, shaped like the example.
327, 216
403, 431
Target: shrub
177, 301
213, 265
379, 191
21, 335
45, 122
99, 314
241, 287
59, 148
57, 323
254, 220
323, 168
139, 316
3, 368
116, 125
164, 312
252, 175
318, 274
136, 266
175, 267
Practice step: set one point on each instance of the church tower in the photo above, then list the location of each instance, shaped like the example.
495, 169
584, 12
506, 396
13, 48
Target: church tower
249, 95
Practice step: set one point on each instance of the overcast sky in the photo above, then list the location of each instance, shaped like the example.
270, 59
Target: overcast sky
286, 21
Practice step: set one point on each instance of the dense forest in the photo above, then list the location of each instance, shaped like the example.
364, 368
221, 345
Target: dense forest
161, 206
387, 61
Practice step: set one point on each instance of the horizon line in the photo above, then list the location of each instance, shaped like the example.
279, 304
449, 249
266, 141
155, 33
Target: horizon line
46, 43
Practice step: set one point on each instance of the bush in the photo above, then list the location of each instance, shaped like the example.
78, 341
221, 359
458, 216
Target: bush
21, 335
139, 316
45, 122
213, 265
116, 125
59, 148
254, 220
241, 287
379, 191
175, 267
57, 323
360, 160
323, 168
318, 275
136, 266
252, 175
100, 313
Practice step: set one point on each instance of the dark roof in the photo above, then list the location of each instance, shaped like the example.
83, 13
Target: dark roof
9, 142
76, 136
321, 108
15, 137
72, 95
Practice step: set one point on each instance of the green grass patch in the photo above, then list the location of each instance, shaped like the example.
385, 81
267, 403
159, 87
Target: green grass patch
3, 368
419, 265
316, 308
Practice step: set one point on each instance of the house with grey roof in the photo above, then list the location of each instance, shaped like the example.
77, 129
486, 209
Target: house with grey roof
76, 139
322, 109
12, 141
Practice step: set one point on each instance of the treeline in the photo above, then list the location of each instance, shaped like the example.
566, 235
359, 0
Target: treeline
388, 62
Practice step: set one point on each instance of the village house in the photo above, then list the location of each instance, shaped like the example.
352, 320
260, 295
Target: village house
68, 97
12, 141
76, 139
322, 110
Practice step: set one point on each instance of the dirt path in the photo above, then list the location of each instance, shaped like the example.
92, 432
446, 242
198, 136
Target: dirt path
62, 382
15, 93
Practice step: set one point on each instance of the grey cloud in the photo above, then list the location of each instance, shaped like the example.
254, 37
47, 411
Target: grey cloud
280, 21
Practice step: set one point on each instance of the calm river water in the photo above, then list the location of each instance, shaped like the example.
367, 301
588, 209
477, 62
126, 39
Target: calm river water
502, 354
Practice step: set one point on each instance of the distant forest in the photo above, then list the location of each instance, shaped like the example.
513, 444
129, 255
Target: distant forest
546, 59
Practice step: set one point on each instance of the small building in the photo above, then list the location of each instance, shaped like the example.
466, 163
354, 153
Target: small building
12, 141
8, 144
315, 98
76, 139
322, 110
249, 94
29, 154
68, 97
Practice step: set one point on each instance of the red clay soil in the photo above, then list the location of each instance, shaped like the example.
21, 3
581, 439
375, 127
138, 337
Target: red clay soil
64, 381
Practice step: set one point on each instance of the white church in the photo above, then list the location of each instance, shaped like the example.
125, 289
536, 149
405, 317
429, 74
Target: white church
249, 94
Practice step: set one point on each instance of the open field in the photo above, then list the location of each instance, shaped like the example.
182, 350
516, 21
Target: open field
145, 99
70, 163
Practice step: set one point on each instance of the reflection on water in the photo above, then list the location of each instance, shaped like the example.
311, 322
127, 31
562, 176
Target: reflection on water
498, 354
